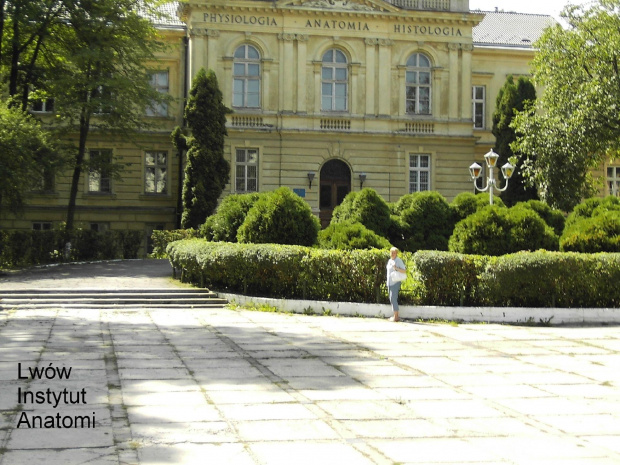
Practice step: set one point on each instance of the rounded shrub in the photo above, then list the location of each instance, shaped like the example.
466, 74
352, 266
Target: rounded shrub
349, 236
552, 217
365, 207
230, 215
426, 221
497, 231
592, 207
468, 203
280, 217
600, 233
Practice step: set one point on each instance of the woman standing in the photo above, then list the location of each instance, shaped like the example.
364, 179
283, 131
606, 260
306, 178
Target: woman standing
394, 264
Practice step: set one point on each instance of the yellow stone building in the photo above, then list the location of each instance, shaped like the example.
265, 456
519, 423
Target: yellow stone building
329, 96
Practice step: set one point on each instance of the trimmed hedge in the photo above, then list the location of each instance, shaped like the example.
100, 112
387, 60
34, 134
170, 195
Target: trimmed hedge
533, 279
20, 248
161, 239
349, 236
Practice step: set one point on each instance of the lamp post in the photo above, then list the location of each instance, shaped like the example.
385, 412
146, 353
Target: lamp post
491, 159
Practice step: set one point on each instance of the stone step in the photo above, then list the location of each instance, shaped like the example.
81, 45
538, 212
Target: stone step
109, 298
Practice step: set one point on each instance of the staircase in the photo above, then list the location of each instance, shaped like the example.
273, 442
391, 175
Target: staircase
109, 299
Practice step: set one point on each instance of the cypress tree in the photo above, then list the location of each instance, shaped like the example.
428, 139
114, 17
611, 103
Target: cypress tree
511, 99
206, 171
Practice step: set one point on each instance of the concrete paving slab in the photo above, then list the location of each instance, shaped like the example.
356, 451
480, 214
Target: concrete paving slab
308, 453
194, 454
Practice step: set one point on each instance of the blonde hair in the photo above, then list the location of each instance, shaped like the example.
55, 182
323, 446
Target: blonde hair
393, 249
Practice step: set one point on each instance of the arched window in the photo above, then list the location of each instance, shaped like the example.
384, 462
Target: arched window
246, 77
418, 85
335, 81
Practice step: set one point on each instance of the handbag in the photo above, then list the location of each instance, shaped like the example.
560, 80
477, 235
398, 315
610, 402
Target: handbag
397, 276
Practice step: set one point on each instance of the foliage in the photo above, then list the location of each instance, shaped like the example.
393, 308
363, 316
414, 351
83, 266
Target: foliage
496, 231
511, 99
21, 248
575, 126
538, 279
349, 236
280, 217
594, 226
365, 207
99, 77
206, 172
26, 153
553, 218
161, 239
468, 203
230, 215
426, 220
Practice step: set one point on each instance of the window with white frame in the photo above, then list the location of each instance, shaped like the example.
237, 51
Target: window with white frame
246, 77
419, 172
156, 172
159, 82
334, 81
613, 180
246, 170
478, 106
418, 85
43, 105
41, 226
99, 176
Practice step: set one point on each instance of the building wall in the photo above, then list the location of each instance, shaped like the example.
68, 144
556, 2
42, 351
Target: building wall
375, 136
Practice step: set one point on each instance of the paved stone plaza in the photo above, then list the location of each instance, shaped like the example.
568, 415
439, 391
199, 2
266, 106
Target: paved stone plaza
221, 386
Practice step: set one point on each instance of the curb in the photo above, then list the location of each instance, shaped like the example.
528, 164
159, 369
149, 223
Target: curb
515, 315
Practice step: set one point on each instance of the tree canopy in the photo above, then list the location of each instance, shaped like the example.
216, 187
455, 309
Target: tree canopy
207, 171
512, 98
577, 122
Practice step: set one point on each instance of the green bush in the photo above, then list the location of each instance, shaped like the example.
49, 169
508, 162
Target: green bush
600, 233
497, 231
365, 207
230, 215
426, 221
20, 248
468, 203
280, 217
553, 218
349, 236
592, 207
535, 279
161, 239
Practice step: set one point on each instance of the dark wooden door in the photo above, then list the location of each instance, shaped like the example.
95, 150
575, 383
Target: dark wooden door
335, 185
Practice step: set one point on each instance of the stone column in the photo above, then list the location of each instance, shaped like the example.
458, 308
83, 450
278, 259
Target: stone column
287, 96
453, 92
302, 57
466, 106
371, 72
212, 40
197, 51
385, 76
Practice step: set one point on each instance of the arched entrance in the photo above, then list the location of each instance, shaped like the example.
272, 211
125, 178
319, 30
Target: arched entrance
335, 185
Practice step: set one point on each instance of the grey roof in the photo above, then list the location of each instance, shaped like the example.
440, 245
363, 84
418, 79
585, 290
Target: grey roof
168, 17
502, 29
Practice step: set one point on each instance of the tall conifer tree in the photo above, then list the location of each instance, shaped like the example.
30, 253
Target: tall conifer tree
511, 99
206, 172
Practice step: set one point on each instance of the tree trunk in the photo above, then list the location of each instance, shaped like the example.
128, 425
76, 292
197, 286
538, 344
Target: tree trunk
77, 170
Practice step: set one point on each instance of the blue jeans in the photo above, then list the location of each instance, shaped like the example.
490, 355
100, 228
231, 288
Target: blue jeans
394, 289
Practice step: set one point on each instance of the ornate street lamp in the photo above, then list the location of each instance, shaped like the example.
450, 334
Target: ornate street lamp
476, 171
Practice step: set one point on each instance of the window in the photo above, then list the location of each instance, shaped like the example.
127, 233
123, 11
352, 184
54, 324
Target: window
246, 170
43, 106
418, 85
44, 181
99, 227
613, 180
246, 77
99, 176
41, 226
335, 81
159, 82
156, 172
478, 102
419, 173
101, 100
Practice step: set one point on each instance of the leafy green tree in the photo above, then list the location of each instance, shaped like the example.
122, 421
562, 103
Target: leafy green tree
99, 75
511, 99
576, 125
207, 171
26, 151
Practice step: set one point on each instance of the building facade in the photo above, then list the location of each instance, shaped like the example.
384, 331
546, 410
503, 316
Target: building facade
329, 96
